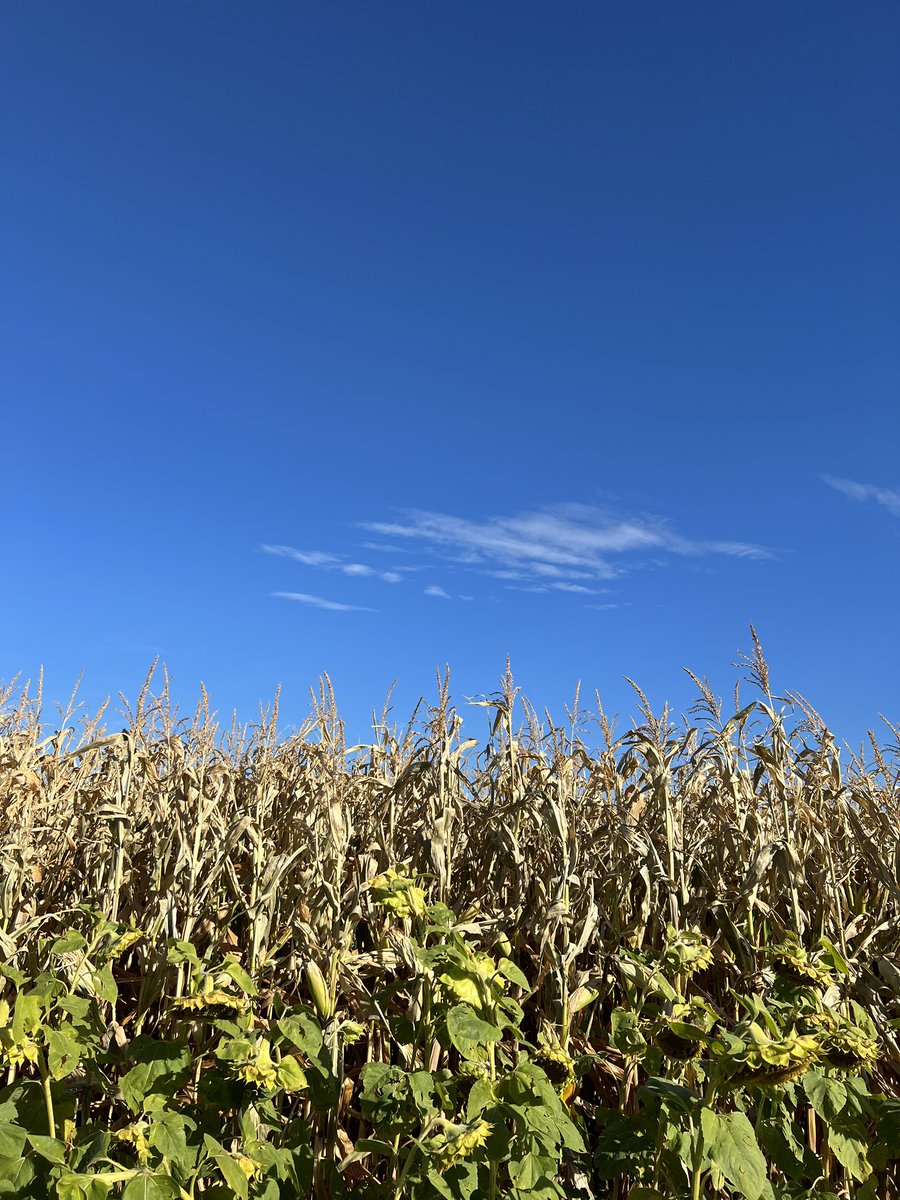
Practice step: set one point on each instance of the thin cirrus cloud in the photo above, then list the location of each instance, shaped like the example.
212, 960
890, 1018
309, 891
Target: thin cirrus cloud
439, 592
561, 545
887, 498
321, 602
324, 561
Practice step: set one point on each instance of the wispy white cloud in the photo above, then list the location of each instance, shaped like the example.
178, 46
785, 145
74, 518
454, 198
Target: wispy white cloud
434, 590
560, 585
888, 498
321, 602
309, 558
323, 561
557, 585
564, 543
385, 548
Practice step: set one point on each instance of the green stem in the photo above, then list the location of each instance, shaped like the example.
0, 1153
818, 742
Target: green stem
492, 1067
410, 1158
48, 1095
697, 1173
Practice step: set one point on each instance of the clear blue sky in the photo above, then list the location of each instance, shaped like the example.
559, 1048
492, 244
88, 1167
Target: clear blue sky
362, 338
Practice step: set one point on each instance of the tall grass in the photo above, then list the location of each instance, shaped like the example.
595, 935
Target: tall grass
574, 836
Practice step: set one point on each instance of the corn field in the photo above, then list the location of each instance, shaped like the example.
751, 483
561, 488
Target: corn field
569, 843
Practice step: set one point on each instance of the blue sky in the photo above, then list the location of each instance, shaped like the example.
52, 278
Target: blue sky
364, 338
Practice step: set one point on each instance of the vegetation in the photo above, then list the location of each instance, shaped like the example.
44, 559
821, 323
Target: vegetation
564, 963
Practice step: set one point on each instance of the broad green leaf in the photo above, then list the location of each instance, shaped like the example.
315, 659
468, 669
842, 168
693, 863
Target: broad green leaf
421, 1090
529, 1171
324, 1086
168, 1134
81, 1187
731, 1143
827, 1096
48, 1147
27, 1015
63, 1050
514, 974
440, 1185
68, 943
182, 952
162, 1067
228, 1168
672, 1095
102, 984
241, 977
16, 1174
464, 984
302, 1031
849, 1147
625, 1033
12, 1140
152, 1187
779, 1139
14, 975
480, 1096
627, 1144
90, 1146
291, 1075
467, 1030
384, 1096
27, 1099
886, 1140
362, 1148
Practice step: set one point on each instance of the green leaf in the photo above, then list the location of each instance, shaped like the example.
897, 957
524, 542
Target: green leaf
68, 943
383, 1096
827, 1096
480, 1096
421, 1090
27, 1098
15, 1176
467, 1030
324, 1086
63, 1050
672, 1095
14, 975
291, 1075
464, 984
152, 1187
12, 1140
627, 1144
162, 1068
514, 974
81, 1187
363, 1147
302, 1031
27, 1016
625, 1033
50, 1148
182, 952
849, 1147
103, 985
168, 1134
529, 1171
91, 1144
234, 969
731, 1143
779, 1139
886, 1139
228, 1168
